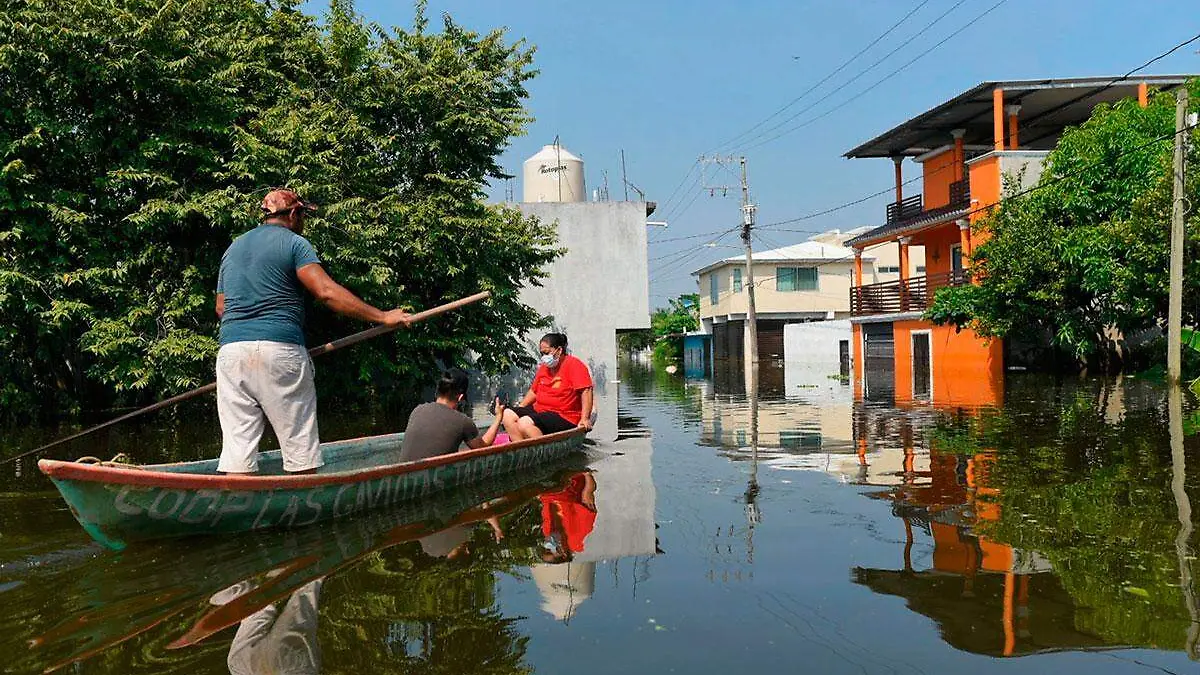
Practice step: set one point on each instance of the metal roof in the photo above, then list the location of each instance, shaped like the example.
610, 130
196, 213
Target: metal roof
904, 227
807, 251
1047, 106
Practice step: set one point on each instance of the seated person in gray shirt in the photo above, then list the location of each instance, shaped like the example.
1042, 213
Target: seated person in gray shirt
438, 428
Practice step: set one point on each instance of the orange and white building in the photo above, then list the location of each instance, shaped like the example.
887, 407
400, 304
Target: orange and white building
967, 148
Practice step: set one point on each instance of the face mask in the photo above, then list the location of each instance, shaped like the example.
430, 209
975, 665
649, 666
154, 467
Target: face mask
549, 360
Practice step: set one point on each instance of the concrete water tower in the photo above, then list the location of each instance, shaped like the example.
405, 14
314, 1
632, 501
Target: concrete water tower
554, 174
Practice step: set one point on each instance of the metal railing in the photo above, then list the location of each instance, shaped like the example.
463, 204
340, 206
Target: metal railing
912, 295
913, 207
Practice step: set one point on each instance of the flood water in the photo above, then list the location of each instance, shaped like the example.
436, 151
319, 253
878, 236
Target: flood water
793, 531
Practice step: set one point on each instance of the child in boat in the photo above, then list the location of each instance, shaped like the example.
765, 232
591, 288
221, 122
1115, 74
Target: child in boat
560, 397
438, 428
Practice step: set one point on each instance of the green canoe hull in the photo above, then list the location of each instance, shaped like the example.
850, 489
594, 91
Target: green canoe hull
118, 504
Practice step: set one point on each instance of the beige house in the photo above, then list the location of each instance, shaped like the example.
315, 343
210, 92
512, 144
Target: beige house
887, 256
809, 281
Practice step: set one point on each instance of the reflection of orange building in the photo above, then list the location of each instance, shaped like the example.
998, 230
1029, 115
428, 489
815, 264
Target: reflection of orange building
968, 147
987, 596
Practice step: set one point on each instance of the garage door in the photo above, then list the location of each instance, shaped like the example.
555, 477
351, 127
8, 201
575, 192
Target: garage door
879, 362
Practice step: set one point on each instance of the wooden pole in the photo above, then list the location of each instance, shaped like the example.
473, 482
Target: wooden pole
315, 351
1175, 306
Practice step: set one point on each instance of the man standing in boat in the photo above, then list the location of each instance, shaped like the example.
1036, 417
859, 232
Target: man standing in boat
263, 366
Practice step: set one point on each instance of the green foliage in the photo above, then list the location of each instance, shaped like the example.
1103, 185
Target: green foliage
137, 137
1088, 249
1092, 493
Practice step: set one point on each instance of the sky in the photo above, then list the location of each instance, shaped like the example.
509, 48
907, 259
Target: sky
667, 81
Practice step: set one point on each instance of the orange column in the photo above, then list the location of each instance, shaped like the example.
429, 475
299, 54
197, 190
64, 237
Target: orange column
1143, 95
899, 179
998, 118
1010, 634
1012, 111
964, 239
958, 153
855, 294
904, 273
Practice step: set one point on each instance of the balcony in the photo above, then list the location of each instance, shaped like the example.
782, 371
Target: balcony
912, 208
894, 297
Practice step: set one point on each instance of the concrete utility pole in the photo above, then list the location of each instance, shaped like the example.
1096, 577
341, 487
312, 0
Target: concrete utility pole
747, 225
1175, 306
748, 210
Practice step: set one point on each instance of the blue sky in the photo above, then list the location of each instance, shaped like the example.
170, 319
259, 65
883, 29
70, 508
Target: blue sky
667, 81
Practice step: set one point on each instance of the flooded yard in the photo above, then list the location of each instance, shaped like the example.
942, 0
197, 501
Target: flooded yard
798, 530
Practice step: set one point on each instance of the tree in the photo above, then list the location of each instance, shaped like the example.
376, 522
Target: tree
137, 137
1087, 250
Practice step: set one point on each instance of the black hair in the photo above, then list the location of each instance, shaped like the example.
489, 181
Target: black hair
555, 341
453, 384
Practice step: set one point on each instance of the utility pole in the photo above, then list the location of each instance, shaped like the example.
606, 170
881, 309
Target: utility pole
748, 210
1175, 306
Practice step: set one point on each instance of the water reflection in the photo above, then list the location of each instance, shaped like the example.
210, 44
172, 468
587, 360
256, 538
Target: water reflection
269, 586
1057, 518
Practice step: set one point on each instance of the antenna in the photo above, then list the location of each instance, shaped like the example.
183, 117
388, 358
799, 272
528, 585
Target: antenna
624, 178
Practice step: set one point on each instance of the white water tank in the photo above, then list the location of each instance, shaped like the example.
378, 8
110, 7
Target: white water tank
554, 175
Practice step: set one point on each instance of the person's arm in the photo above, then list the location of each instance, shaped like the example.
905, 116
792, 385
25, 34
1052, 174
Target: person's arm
588, 496
528, 399
220, 305
585, 413
488, 436
336, 297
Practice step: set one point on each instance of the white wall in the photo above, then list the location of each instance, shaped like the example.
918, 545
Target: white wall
811, 350
598, 286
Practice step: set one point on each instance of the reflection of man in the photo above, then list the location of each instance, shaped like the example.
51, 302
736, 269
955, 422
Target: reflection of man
454, 542
568, 517
275, 641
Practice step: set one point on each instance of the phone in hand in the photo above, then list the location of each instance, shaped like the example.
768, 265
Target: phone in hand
502, 396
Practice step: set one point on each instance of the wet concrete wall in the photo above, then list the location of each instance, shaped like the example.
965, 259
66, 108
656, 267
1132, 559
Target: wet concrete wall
598, 286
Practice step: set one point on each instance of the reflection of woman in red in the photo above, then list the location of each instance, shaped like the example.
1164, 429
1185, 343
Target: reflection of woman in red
568, 517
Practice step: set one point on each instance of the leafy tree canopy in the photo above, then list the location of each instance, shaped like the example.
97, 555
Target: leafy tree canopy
138, 136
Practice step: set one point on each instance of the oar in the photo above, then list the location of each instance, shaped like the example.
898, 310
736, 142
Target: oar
315, 351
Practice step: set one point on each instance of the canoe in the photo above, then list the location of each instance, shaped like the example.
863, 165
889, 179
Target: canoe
118, 504
172, 584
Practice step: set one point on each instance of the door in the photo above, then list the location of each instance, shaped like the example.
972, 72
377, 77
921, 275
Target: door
956, 261
879, 362
922, 362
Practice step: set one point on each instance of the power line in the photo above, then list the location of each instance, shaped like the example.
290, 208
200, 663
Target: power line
693, 236
882, 80
857, 75
825, 79
678, 185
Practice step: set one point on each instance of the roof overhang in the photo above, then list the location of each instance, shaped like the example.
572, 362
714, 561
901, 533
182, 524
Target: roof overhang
907, 228
1047, 106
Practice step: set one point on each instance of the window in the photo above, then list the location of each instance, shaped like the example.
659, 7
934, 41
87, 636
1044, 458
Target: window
888, 269
799, 440
737, 280
956, 259
714, 288
795, 279
920, 269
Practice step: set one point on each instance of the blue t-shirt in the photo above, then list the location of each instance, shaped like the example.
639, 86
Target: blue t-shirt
264, 299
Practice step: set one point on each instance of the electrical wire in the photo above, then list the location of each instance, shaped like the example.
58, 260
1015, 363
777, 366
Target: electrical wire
875, 84
666, 203
825, 79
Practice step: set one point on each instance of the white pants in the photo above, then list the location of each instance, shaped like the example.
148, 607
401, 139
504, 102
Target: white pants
274, 379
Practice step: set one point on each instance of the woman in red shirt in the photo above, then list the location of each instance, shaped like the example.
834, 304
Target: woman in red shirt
560, 397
